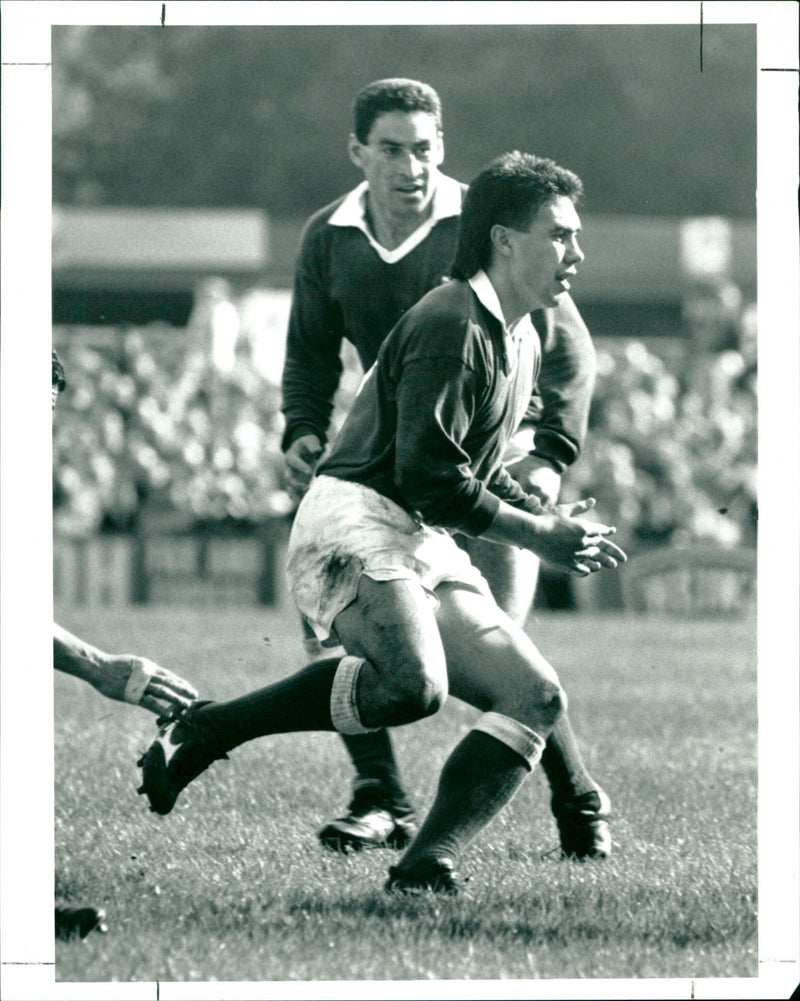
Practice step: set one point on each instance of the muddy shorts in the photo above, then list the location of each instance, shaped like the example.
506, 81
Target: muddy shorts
343, 530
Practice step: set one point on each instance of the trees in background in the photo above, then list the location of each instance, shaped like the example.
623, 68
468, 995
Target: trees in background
241, 116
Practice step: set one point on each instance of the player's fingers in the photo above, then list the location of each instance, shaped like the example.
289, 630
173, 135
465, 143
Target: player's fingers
578, 507
299, 481
167, 694
298, 484
175, 683
148, 703
594, 533
612, 549
297, 466
604, 551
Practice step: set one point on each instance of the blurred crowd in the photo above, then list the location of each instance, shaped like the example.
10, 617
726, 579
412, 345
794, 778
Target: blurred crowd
165, 424
186, 426
672, 449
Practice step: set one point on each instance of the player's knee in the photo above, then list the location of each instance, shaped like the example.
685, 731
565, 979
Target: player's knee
543, 706
416, 697
554, 705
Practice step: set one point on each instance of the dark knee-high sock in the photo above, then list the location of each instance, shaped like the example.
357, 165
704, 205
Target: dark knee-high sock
478, 780
375, 763
563, 765
300, 702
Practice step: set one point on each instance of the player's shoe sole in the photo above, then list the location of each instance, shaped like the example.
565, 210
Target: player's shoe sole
583, 827
182, 751
434, 876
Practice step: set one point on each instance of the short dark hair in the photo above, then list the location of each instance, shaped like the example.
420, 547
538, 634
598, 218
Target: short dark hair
59, 379
393, 94
509, 192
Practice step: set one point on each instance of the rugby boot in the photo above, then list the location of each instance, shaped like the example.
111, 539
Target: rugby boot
583, 826
369, 822
183, 749
435, 875
76, 922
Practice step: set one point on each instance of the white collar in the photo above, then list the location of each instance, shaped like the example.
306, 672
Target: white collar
446, 203
484, 290
482, 287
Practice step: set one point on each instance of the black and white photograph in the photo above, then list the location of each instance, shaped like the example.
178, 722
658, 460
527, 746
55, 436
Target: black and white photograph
416, 511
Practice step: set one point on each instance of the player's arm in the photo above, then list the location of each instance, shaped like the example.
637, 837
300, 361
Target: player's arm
123, 677
562, 399
558, 535
556, 532
436, 400
313, 366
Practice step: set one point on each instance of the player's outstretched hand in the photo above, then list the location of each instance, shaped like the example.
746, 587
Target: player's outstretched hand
301, 459
144, 683
535, 505
575, 544
123, 677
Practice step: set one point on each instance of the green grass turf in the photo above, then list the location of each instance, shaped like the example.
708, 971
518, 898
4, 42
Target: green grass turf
232, 884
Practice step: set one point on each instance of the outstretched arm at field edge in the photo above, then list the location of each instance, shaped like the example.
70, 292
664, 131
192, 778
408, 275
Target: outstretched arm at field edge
563, 395
556, 535
124, 677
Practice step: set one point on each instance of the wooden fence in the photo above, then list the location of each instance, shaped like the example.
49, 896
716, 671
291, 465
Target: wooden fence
196, 569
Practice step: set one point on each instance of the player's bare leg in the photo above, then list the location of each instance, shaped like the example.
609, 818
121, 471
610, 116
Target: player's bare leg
395, 673
495, 667
379, 813
579, 805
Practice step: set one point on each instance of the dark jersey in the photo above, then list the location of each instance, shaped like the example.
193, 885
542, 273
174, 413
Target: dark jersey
433, 417
344, 290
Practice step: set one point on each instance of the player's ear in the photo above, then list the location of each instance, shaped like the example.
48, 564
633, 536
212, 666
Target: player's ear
501, 244
354, 150
439, 157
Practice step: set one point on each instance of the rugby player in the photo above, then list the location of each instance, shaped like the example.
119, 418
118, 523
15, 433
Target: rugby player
371, 561
122, 677
364, 260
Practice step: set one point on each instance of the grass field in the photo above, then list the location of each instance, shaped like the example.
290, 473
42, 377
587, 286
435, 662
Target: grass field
232, 885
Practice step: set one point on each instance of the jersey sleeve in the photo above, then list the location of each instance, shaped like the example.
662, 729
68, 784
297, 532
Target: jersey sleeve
563, 396
436, 399
504, 486
313, 366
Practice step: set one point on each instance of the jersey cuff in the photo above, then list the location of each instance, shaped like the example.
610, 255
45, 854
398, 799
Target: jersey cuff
554, 447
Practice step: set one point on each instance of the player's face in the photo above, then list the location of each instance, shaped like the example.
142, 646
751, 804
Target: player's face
544, 258
400, 161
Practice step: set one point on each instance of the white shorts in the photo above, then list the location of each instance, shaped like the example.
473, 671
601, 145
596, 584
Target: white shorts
342, 530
